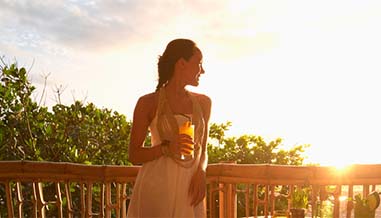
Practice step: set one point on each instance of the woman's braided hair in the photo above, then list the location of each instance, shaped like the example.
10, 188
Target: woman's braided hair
176, 49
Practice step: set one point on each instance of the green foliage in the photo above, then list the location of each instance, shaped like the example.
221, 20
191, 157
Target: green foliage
16, 113
250, 149
77, 133
299, 198
326, 209
366, 207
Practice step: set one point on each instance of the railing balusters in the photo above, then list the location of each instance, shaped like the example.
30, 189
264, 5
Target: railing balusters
20, 199
9, 199
247, 195
365, 190
255, 199
82, 199
221, 200
69, 201
266, 200
108, 200
39, 200
124, 201
314, 196
89, 199
349, 203
59, 200
213, 187
102, 201
337, 194
272, 200
117, 202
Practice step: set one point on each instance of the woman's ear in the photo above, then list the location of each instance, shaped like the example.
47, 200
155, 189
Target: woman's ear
181, 63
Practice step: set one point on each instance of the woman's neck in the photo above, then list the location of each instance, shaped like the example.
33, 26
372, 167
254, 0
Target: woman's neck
178, 98
176, 90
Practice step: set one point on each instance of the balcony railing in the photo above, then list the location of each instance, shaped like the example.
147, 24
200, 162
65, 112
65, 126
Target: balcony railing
47, 189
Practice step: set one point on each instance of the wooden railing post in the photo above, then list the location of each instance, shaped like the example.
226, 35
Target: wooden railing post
102, 201
69, 200
8, 193
221, 199
350, 203
89, 200
336, 207
124, 201
255, 199
213, 188
20, 199
108, 200
117, 200
231, 200
39, 200
314, 196
59, 200
83, 200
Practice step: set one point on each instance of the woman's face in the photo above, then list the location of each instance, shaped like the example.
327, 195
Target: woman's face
193, 69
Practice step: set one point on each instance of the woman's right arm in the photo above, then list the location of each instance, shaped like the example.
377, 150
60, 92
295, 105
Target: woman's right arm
140, 123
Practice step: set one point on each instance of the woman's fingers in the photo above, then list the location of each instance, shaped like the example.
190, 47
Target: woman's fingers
185, 139
186, 144
182, 145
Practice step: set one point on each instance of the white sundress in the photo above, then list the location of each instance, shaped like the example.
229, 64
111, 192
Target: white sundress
161, 187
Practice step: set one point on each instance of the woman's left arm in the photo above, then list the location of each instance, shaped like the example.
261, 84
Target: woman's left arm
197, 188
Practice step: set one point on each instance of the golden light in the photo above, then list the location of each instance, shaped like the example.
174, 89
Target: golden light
342, 167
343, 198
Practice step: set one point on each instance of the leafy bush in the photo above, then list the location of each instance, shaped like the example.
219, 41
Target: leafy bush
77, 133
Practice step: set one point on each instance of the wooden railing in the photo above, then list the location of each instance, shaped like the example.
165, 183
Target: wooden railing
260, 185
72, 189
47, 189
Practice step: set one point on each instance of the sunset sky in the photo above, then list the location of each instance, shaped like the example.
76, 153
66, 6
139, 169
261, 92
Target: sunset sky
304, 71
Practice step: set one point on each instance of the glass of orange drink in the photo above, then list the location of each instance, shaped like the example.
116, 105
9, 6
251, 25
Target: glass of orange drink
188, 129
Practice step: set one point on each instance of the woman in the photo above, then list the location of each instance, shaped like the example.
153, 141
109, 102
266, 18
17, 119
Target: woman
168, 185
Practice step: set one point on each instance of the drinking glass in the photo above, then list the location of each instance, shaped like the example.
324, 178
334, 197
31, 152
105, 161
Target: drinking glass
188, 129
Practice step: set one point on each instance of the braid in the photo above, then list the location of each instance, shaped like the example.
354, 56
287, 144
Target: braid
165, 67
160, 84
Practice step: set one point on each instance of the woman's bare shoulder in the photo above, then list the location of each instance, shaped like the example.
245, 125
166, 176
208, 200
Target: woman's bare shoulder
147, 104
203, 99
149, 98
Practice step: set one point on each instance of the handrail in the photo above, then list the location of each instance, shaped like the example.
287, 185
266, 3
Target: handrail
60, 171
285, 174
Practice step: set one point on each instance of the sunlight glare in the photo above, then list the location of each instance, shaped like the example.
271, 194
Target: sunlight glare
343, 198
341, 167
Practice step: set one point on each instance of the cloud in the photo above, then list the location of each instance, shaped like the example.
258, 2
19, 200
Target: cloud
58, 26
64, 28
72, 24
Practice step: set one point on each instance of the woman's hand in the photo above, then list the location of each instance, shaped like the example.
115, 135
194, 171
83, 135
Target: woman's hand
182, 145
197, 187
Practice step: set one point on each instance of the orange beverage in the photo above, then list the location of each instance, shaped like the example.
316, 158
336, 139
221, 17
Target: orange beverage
188, 129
